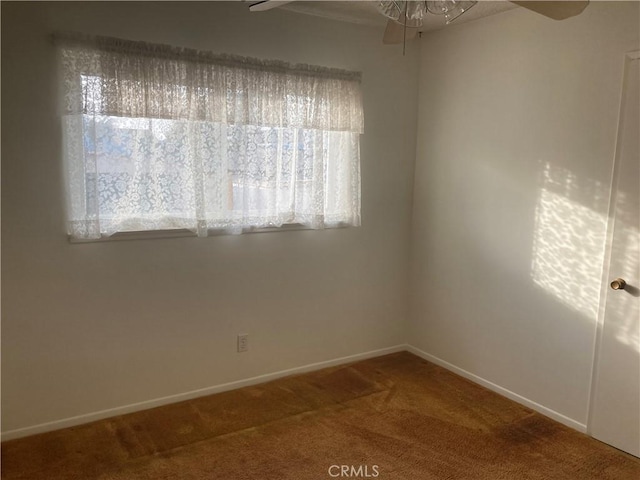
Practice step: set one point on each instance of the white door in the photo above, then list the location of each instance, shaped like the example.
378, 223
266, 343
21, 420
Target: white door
615, 408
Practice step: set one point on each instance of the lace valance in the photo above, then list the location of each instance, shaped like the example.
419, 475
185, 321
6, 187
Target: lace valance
115, 77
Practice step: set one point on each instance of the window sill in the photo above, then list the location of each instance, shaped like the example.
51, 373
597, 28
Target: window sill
182, 233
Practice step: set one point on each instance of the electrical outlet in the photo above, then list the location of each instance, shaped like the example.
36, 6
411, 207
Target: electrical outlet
243, 342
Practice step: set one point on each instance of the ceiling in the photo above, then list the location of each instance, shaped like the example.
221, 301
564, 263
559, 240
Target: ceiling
366, 13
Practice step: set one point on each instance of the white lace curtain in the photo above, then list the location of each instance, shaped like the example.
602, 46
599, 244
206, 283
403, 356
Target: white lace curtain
158, 137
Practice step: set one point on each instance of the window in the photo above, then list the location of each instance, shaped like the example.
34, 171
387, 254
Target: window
161, 138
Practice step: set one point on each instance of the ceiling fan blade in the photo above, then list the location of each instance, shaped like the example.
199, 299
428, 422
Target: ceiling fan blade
265, 5
394, 33
557, 10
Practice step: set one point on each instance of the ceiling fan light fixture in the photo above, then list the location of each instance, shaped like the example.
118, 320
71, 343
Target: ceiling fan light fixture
403, 12
451, 9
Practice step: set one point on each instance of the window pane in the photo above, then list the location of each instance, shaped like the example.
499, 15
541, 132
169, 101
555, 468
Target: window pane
162, 138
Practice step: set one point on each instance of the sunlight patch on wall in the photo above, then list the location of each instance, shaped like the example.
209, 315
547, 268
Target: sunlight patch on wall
568, 248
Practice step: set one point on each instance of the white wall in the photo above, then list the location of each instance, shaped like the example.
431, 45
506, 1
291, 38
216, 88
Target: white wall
517, 129
517, 123
91, 327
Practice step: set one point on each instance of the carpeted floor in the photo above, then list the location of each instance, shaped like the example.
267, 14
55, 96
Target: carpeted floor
392, 417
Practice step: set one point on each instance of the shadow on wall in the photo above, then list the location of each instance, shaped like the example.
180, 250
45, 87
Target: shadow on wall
569, 245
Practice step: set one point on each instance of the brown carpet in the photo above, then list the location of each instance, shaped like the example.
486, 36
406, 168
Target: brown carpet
407, 417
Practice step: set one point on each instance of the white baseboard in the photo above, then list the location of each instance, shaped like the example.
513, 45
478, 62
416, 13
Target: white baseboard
112, 412
501, 390
134, 407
